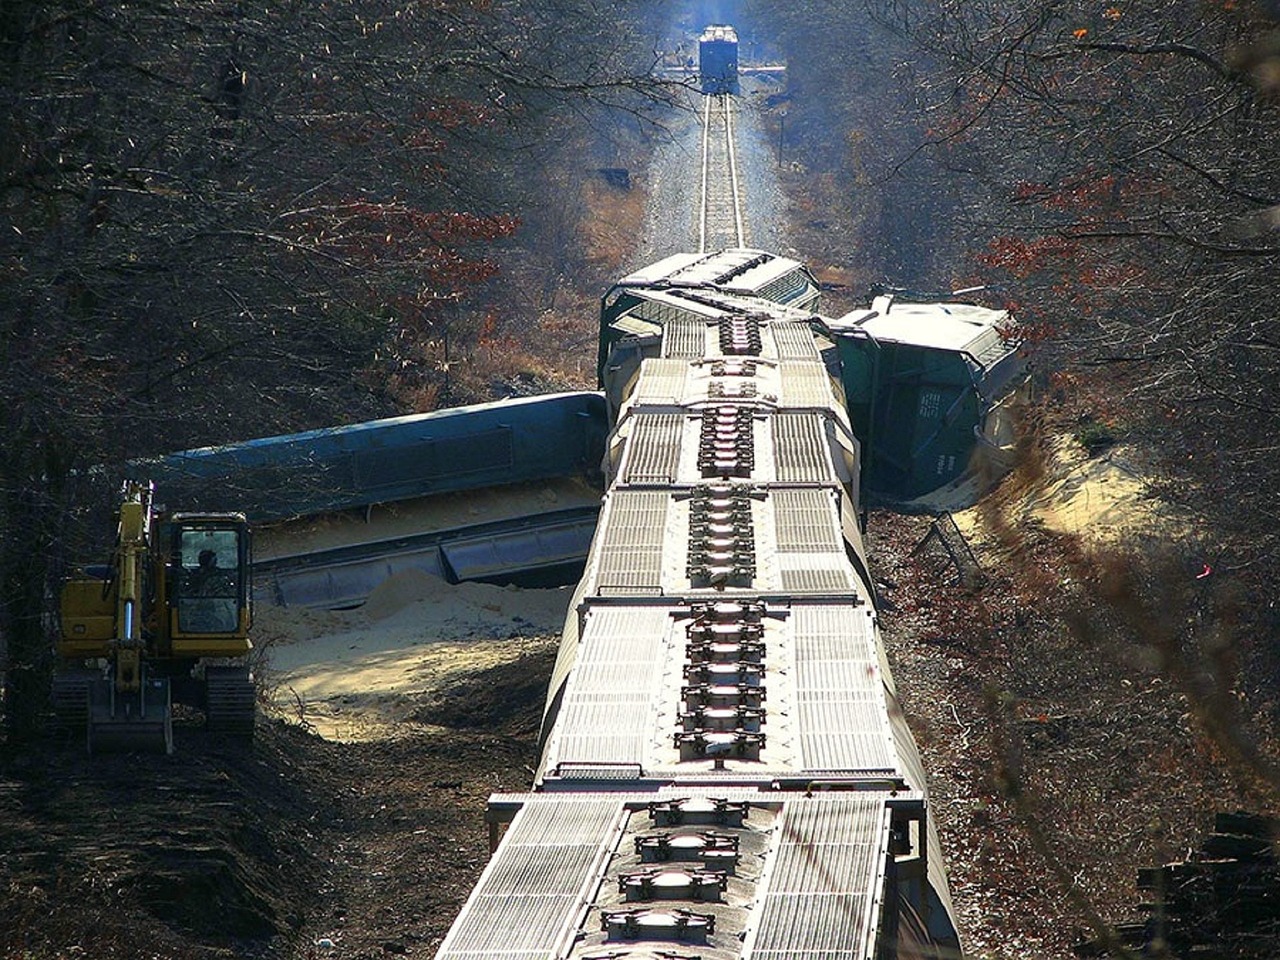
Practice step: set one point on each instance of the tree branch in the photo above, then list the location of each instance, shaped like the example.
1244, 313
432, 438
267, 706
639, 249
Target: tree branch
1154, 50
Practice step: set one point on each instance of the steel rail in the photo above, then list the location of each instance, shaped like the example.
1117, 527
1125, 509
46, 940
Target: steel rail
706, 156
738, 231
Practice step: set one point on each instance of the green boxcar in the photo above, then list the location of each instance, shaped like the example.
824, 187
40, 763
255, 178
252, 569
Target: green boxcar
922, 382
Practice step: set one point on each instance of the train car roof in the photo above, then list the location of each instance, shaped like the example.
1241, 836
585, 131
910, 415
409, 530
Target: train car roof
781, 447
447, 415
571, 878
661, 270
823, 678
956, 327
719, 32
737, 270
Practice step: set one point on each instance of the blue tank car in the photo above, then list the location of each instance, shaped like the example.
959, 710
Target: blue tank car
382, 461
718, 59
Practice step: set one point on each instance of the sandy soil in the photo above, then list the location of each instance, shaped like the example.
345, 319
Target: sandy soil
1105, 499
355, 675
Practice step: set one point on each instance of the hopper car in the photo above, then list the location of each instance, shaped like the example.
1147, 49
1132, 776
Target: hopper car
725, 771
355, 466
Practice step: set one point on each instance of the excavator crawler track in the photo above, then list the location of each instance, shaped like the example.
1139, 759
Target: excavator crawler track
230, 701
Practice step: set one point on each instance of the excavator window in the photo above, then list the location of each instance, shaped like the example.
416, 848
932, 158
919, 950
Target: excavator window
209, 584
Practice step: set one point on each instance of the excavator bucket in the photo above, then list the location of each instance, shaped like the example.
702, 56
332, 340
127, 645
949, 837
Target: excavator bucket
138, 722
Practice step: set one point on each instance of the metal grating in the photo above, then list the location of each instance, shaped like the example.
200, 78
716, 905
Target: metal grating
521, 873
846, 735
606, 713
805, 580
794, 341
653, 449
548, 823
604, 731
823, 675
595, 674
806, 385
840, 699
800, 451
834, 632
528, 898
804, 522
662, 381
599, 771
631, 553
661, 308
685, 339
823, 896
791, 286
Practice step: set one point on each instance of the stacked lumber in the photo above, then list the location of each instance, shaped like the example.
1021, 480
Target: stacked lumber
1222, 903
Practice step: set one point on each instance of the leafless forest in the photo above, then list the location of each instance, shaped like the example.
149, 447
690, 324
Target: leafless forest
230, 218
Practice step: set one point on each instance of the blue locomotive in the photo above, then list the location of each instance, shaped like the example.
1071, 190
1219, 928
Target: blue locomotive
718, 59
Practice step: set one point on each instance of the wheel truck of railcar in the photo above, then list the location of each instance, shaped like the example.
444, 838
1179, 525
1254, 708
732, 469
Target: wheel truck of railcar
166, 621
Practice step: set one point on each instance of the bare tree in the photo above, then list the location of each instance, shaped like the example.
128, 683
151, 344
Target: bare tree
230, 218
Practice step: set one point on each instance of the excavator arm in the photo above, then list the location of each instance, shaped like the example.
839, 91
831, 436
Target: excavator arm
130, 563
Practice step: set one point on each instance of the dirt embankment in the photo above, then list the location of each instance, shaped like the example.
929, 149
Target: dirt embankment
1060, 697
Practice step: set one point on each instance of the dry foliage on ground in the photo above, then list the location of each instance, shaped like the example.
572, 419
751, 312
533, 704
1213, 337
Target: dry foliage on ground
1079, 709
294, 848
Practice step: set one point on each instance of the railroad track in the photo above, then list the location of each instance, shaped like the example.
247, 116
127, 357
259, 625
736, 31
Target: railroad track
720, 219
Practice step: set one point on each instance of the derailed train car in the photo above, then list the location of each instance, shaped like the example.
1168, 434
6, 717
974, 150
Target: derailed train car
725, 770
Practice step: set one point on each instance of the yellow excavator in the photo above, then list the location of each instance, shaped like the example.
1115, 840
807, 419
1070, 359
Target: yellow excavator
166, 621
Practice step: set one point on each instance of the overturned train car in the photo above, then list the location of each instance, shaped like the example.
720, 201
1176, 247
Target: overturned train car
725, 770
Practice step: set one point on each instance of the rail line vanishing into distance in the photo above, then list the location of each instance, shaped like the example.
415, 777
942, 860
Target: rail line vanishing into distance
720, 219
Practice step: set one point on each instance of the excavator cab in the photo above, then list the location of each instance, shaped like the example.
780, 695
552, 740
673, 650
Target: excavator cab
208, 585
